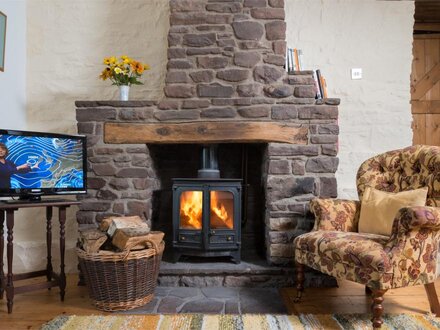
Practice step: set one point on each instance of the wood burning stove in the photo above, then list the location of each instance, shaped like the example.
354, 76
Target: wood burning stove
207, 212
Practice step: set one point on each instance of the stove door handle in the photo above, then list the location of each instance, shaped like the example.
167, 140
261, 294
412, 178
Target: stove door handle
212, 232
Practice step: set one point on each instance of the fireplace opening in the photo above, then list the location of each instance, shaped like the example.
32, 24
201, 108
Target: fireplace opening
234, 203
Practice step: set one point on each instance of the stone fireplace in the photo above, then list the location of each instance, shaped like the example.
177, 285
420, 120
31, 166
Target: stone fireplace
225, 84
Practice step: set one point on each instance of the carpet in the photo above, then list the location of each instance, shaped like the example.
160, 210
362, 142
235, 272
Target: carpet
239, 322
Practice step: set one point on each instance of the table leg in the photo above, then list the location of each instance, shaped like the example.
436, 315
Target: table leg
49, 268
10, 252
2, 247
62, 218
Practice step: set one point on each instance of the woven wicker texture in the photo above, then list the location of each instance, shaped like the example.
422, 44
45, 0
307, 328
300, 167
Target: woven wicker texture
121, 280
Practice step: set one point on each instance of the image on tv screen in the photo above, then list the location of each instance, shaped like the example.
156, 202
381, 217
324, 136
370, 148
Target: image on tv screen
30, 162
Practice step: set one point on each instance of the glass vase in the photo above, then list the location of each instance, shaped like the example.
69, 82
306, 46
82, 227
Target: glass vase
124, 91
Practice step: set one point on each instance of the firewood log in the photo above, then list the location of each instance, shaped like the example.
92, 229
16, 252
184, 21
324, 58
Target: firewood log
91, 240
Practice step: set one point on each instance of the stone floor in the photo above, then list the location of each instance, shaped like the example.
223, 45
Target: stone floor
214, 300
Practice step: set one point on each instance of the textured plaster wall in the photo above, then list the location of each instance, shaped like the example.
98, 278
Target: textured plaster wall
337, 35
66, 43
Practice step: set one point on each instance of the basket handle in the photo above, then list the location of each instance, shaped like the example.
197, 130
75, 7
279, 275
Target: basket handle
137, 241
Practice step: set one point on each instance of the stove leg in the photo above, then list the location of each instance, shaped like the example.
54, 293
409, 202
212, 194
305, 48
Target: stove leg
236, 257
176, 256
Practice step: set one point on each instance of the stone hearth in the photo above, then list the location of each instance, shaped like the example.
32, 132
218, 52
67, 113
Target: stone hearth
225, 65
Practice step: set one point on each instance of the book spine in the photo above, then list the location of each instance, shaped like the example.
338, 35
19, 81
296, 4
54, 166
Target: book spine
318, 78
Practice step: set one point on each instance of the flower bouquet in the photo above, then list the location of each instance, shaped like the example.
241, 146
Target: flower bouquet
123, 72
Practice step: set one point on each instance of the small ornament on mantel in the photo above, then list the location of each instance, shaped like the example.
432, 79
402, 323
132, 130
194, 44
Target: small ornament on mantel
123, 72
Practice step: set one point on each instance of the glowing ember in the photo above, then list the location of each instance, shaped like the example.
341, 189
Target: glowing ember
191, 209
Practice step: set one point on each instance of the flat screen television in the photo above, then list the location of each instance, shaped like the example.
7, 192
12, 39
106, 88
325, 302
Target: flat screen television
33, 164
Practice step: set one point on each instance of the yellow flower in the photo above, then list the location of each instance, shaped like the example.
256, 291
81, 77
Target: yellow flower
105, 74
146, 66
125, 59
118, 70
107, 61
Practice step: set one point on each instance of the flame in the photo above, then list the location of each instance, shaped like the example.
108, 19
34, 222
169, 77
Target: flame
220, 211
191, 209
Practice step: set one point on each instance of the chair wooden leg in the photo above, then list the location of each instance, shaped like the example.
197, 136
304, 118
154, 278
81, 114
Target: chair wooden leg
432, 298
299, 281
377, 308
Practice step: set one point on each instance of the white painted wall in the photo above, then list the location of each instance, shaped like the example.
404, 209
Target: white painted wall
13, 79
337, 35
66, 43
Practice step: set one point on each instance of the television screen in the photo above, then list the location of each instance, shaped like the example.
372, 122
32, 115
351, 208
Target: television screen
33, 163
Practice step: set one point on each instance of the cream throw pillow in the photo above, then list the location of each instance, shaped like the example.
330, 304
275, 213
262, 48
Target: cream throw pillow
378, 208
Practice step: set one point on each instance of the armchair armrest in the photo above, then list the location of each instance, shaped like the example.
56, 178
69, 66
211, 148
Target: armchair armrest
335, 214
413, 246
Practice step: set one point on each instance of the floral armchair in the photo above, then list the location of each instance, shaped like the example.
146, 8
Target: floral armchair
407, 257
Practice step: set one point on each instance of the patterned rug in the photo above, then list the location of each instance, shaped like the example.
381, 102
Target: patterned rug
240, 322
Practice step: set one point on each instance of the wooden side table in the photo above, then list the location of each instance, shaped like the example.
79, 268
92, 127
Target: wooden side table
53, 279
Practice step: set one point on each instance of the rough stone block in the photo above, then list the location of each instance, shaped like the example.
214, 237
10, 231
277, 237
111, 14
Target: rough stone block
281, 250
175, 77
322, 164
321, 139
285, 187
276, 3
95, 114
224, 7
329, 149
108, 151
84, 217
202, 281
248, 30
210, 62
106, 195
99, 159
202, 76
168, 105
268, 13
119, 184
279, 60
86, 128
249, 90
94, 206
218, 113
298, 167
193, 18
328, 129
138, 208
278, 91
219, 19
284, 112
174, 39
318, 112
279, 47
276, 30
199, 40
281, 149
267, 74
247, 59
180, 64
179, 91
233, 75
141, 161
95, 183
254, 3
135, 114
254, 112
227, 43
278, 237
305, 91
328, 187
103, 169
176, 53
301, 80
177, 115
132, 173
195, 104
215, 90
203, 51
279, 167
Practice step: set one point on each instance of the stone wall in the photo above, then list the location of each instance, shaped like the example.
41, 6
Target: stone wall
225, 63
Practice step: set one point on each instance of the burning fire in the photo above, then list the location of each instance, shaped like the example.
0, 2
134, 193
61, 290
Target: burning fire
220, 211
191, 208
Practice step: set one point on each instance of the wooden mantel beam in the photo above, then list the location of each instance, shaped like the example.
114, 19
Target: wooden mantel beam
205, 132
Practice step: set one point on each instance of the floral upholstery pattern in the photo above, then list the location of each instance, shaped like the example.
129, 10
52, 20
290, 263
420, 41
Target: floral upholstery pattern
409, 255
335, 214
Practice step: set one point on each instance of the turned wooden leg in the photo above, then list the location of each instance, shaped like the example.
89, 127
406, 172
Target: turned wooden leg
377, 308
432, 298
299, 281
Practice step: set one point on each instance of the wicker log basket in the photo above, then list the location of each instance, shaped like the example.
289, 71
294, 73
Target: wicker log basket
119, 281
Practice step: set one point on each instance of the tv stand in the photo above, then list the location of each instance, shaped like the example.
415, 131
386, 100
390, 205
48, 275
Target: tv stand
53, 279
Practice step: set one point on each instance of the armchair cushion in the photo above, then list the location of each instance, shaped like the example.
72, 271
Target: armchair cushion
358, 257
335, 214
378, 208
